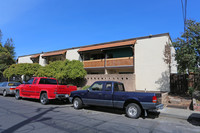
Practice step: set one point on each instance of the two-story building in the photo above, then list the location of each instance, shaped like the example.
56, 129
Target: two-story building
140, 63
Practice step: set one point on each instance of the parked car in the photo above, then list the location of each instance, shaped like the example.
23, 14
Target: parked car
8, 88
44, 88
112, 94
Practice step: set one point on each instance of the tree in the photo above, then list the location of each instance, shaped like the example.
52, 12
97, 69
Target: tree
188, 48
63, 70
26, 69
5, 59
9, 45
7, 54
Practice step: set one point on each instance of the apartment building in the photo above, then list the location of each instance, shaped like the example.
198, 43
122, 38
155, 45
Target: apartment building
137, 62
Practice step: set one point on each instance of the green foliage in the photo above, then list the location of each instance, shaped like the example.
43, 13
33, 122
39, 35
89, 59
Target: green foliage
26, 69
191, 90
9, 45
5, 59
6, 54
74, 69
85, 87
188, 48
63, 70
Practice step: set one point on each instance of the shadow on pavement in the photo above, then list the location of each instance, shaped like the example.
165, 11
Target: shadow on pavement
151, 114
28, 121
51, 102
194, 119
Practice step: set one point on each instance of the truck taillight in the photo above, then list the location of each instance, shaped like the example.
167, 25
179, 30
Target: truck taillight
12, 88
154, 99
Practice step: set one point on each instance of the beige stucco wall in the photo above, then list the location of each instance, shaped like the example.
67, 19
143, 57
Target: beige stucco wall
127, 79
73, 54
151, 72
25, 59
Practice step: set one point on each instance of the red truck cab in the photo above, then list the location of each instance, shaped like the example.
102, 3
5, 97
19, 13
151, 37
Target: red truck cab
44, 88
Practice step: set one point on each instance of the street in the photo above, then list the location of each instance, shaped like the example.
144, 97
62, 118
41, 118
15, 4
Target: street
29, 116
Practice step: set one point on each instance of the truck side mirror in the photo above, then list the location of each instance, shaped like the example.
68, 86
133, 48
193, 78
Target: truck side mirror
88, 89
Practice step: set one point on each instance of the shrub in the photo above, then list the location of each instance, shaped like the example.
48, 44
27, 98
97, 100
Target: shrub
191, 90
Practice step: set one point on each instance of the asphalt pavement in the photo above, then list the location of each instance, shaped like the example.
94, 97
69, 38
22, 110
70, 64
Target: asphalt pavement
29, 116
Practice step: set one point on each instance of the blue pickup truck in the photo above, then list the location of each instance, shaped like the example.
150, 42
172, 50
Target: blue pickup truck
112, 94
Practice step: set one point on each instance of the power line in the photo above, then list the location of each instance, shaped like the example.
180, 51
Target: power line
184, 12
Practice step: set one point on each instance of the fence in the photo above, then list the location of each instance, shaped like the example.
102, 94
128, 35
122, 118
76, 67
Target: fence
180, 83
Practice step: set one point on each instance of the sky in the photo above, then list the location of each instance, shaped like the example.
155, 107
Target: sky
46, 25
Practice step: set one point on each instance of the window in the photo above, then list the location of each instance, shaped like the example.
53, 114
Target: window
13, 84
118, 87
4, 84
30, 81
35, 81
48, 81
1, 83
108, 87
97, 87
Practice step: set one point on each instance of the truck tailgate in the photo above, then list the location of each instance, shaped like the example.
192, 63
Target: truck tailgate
65, 89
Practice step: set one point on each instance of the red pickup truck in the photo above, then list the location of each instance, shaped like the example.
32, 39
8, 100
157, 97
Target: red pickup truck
44, 89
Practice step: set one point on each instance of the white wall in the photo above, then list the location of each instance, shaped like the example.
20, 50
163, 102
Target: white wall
152, 73
42, 61
173, 61
73, 54
25, 59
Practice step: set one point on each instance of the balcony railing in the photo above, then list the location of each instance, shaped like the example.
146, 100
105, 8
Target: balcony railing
113, 62
125, 61
94, 63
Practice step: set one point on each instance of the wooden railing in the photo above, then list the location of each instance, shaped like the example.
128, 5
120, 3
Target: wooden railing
124, 61
94, 63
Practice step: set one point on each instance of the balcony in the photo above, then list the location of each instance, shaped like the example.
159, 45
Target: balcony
125, 61
94, 63
113, 62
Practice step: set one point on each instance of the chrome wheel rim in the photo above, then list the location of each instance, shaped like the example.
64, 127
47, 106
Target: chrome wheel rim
132, 111
17, 94
43, 99
4, 93
75, 103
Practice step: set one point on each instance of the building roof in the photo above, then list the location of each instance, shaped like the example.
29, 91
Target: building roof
54, 53
137, 38
107, 45
35, 56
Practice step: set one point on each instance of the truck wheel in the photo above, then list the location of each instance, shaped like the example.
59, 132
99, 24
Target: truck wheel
133, 110
44, 99
78, 104
4, 93
17, 96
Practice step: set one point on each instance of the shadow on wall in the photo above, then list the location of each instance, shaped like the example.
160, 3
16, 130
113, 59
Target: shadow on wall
164, 82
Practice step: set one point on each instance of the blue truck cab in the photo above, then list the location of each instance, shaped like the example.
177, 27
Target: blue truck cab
113, 94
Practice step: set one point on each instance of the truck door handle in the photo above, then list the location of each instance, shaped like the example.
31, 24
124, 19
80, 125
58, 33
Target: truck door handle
29, 86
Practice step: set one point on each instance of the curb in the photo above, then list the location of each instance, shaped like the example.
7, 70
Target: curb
193, 117
174, 116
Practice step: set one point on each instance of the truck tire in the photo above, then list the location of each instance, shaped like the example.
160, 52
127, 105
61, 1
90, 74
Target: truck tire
77, 103
17, 96
133, 110
4, 93
44, 99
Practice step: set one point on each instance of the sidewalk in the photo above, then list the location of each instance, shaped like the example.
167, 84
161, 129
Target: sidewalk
180, 113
